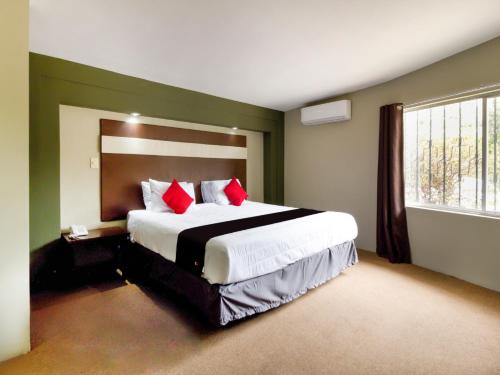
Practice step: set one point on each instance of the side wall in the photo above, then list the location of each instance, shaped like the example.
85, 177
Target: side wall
14, 250
334, 166
54, 81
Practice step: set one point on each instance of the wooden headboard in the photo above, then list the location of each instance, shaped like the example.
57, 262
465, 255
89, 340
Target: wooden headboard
131, 153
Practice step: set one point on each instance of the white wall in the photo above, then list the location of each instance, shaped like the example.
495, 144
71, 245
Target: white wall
334, 167
462, 245
79, 141
14, 194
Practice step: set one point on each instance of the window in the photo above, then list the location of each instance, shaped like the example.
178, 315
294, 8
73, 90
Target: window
452, 155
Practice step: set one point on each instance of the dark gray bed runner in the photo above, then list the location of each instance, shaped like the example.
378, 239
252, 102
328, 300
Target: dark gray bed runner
191, 243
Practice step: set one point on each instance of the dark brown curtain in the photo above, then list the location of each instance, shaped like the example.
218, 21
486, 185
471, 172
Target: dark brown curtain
392, 228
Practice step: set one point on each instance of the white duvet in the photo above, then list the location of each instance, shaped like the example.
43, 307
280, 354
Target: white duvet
249, 253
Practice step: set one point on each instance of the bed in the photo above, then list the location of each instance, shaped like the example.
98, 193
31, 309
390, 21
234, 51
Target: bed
248, 271
230, 262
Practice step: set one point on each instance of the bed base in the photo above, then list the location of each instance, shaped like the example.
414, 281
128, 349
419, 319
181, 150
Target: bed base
222, 304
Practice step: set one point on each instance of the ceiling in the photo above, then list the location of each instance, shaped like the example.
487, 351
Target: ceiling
278, 54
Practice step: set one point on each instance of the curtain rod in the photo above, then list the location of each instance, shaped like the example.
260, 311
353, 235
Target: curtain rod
492, 87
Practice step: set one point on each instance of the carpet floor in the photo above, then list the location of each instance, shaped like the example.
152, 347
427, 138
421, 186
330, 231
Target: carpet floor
375, 318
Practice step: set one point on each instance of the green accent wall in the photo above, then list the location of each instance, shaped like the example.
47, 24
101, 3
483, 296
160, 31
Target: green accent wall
54, 81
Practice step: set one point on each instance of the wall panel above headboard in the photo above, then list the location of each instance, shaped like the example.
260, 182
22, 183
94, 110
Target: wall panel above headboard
131, 153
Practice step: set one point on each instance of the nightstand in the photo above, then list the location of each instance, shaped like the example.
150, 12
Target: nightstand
98, 253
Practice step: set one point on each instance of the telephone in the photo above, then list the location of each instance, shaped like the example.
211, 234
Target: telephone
78, 231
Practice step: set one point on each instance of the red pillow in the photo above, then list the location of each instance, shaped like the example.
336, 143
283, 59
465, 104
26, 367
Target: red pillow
176, 198
235, 193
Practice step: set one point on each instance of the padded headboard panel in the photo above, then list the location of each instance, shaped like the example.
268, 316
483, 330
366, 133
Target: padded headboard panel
131, 153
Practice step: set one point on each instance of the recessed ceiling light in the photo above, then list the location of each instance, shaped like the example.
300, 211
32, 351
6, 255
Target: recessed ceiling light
234, 128
135, 114
132, 120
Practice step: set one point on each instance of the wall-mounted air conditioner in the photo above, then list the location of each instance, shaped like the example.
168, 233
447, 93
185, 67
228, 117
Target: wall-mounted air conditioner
326, 113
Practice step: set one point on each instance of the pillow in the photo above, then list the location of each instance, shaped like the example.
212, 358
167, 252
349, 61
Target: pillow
158, 188
213, 191
235, 193
177, 198
146, 194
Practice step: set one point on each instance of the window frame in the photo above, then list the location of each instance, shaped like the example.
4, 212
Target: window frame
484, 96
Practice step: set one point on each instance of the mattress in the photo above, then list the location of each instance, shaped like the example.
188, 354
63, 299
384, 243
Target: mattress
245, 254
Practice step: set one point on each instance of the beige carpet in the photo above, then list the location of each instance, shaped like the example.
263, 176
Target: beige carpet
376, 318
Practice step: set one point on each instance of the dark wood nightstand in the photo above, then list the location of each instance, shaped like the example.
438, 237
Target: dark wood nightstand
98, 253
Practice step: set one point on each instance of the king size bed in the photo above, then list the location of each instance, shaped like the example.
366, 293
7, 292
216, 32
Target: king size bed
228, 259
242, 272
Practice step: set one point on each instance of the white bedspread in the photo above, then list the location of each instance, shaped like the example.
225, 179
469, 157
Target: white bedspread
249, 253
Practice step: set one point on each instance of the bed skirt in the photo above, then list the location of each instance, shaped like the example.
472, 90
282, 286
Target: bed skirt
222, 304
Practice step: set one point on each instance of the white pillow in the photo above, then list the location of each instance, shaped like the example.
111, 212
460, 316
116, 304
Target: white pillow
213, 191
158, 188
146, 194
189, 187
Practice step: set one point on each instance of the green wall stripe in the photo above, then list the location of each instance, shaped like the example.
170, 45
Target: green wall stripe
54, 81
